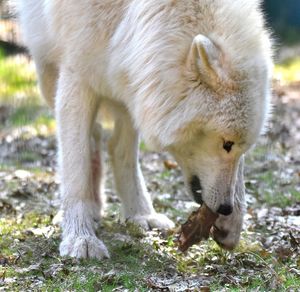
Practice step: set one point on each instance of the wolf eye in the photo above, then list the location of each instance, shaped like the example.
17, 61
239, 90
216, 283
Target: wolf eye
227, 145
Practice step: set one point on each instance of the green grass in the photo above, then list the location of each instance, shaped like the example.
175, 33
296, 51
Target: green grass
273, 193
143, 146
130, 263
19, 92
289, 70
269, 186
17, 79
281, 199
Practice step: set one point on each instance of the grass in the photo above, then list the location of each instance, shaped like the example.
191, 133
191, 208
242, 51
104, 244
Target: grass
271, 186
288, 71
29, 243
273, 193
130, 261
33, 261
19, 93
17, 79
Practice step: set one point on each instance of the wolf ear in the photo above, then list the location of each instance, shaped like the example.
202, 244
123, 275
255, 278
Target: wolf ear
206, 61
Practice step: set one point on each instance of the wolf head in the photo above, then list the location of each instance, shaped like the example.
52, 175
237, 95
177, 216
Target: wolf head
218, 116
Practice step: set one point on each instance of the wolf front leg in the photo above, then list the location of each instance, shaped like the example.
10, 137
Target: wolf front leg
136, 202
227, 229
76, 106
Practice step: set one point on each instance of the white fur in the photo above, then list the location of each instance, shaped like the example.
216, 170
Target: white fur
185, 74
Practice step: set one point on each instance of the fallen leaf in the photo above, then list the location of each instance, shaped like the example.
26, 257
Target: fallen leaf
169, 164
196, 228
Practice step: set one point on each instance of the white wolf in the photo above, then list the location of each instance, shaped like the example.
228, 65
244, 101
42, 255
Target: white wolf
192, 76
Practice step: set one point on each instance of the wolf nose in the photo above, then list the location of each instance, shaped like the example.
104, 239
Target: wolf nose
225, 209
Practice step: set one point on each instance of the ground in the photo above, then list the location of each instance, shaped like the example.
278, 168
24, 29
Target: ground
267, 258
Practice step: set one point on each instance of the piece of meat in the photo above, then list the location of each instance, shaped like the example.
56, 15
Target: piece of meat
196, 228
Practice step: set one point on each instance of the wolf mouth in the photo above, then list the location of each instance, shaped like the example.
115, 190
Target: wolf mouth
196, 189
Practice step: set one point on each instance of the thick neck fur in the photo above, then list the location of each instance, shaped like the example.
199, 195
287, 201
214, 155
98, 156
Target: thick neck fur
150, 48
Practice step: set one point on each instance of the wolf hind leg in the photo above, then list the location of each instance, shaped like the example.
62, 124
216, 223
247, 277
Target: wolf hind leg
130, 185
47, 74
97, 170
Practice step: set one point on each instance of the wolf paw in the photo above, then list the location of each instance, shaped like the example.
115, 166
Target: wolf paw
155, 220
87, 246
